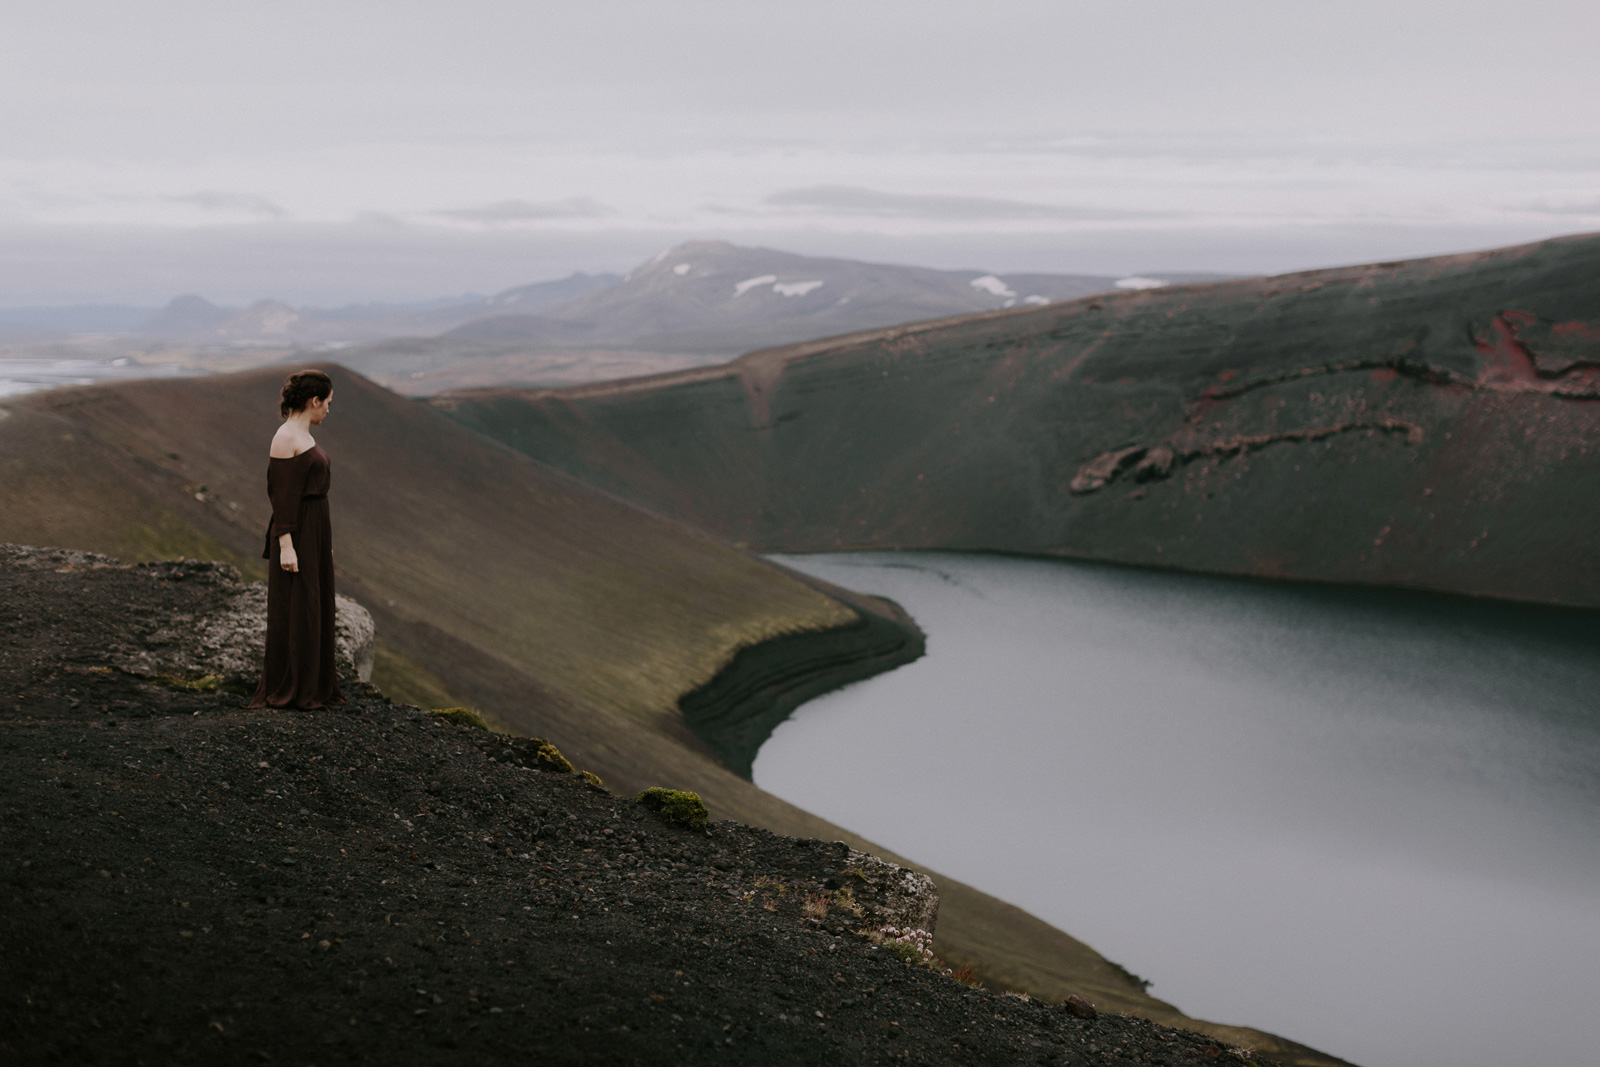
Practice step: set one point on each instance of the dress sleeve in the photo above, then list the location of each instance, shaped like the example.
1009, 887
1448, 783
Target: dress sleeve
287, 486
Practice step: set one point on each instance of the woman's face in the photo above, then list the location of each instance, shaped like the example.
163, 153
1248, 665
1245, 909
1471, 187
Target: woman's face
318, 406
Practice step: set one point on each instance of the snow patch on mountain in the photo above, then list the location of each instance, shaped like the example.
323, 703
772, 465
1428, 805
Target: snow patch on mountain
990, 284
750, 283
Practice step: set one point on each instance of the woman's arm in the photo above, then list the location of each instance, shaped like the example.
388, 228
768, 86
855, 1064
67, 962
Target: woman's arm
288, 488
286, 555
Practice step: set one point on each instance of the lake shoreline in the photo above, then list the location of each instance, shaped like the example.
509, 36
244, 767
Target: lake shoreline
1357, 756
737, 710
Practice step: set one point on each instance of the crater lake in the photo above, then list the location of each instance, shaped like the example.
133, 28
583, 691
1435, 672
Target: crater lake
1367, 820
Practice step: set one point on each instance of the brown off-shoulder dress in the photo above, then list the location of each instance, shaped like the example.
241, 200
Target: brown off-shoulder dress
301, 670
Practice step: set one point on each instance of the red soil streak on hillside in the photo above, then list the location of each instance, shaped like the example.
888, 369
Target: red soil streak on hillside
1509, 360
1505, 360
1508, 366
1582, 331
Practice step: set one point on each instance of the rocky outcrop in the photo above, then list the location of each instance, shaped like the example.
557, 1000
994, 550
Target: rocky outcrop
1160, 461
219, 634
889, 896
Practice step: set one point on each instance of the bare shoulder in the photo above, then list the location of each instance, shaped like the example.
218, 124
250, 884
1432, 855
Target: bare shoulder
288, 443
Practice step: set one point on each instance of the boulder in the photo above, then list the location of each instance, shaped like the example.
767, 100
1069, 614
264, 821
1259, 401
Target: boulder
887, 894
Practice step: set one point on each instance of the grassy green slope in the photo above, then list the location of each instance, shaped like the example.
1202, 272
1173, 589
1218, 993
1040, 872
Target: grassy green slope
556, 609
1429, 424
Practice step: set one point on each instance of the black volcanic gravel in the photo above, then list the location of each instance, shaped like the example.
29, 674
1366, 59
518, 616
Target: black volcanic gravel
189, 882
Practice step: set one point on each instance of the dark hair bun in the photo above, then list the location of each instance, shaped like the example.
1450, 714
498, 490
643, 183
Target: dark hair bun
300, 387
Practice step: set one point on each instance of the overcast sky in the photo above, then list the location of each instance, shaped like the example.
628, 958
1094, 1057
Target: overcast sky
327, 152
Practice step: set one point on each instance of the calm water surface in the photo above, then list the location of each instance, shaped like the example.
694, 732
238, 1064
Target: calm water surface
19, 375
1364, 820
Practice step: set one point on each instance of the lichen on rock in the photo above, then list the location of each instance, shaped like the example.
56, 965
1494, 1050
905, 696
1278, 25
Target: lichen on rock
886, 894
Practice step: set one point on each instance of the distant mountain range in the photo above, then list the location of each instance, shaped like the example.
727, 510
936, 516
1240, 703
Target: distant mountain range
714, 298
698, 303
700, 298
194, 319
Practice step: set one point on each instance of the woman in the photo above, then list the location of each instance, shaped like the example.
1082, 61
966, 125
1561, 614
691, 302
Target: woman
300, 671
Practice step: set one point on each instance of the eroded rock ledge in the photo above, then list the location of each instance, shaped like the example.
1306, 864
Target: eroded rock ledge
217, 632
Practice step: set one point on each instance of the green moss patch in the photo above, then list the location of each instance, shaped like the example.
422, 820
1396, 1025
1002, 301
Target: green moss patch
202, 683
676, 805
462, 716
551, 756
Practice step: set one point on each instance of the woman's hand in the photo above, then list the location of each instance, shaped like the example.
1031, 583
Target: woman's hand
286, 557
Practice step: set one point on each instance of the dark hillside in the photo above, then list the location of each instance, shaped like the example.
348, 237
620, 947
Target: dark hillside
558, 610
1430, 424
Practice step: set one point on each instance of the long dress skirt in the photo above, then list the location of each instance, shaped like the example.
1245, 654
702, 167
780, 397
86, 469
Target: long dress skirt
301, 668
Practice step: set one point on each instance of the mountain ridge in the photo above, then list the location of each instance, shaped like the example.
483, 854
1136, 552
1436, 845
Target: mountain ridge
196, 320
713, 297
697, 304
